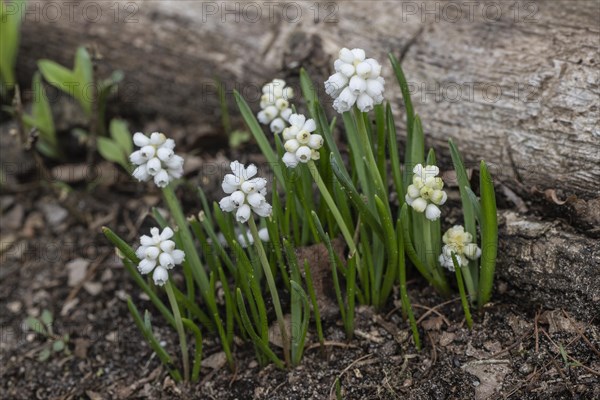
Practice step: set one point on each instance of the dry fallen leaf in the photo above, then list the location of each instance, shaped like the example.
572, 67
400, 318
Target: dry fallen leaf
93, 288
81, 347
93, 395
215, 361
68, 306
432, 323
275, 332
558, 322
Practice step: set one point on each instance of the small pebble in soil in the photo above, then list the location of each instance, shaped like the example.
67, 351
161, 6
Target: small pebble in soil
526, 368
54, 213
14, 306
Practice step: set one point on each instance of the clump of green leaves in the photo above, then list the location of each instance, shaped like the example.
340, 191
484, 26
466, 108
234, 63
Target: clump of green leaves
352, 203
55, 343
92, 96
41, 119
81, 84
118, 146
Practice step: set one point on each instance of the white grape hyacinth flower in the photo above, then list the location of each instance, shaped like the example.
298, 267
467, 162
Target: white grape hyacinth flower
426, 192
246, 193
357, 80
157, 254
459, 242
263, 234
301, 144
155, 159
275, 105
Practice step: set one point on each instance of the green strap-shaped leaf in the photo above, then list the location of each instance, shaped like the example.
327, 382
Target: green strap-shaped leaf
198, 351
391, 252
121, 135
406, 306
258, 342
408, 247
401, 78
347, 186
149, 336
333, 264
299, 332
394, 154
489, 235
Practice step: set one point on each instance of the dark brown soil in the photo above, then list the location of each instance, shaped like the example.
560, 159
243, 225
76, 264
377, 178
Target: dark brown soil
513, 351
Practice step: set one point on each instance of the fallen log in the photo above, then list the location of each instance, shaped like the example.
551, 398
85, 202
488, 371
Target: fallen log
516, 84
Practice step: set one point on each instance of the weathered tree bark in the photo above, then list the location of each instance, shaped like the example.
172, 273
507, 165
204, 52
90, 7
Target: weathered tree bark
515, 83
549, 264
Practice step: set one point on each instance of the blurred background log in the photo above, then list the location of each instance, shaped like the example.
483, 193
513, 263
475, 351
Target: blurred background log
516, 83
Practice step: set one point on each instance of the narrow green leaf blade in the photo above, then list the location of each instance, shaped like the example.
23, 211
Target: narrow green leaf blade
110, 150
121, 135
489, 235
463, 184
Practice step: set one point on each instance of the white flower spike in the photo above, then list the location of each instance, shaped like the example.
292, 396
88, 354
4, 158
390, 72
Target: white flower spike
246, 193
158, 253
275, 105
425, 193
301, 144
459, 242
356, 81
155, 159
263, 234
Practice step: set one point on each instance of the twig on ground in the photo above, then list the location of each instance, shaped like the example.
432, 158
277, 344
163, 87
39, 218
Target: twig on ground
579, 363
429, 311
581, 333
346, 370
512, 346
537, 335
433, 355
332, 344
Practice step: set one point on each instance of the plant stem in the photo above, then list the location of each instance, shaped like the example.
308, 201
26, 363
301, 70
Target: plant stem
180, 331
469, 282
430, 258
368, 153
461, 291
196, 265
333, 208
403, 291
272, 288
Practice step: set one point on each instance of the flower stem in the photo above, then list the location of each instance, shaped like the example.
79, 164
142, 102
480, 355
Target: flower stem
469, 282
461, 291
197, 268
332, 207
403, 291
368, 152
180, 331
430, 257
272, 288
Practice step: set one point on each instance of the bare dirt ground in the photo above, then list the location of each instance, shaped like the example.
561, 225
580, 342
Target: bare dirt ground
54, 258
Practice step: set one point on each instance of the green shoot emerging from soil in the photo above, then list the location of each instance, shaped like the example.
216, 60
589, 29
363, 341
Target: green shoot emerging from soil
241, 258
